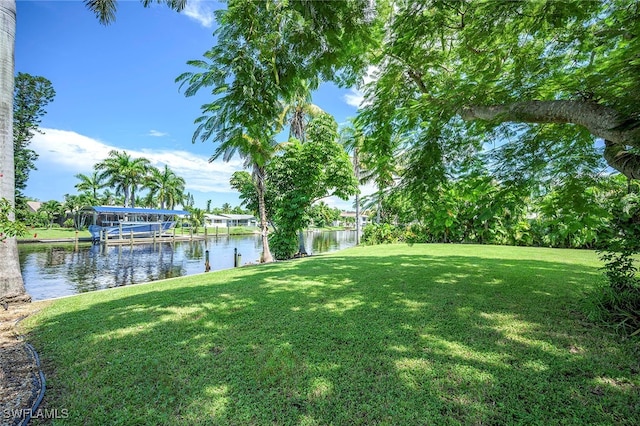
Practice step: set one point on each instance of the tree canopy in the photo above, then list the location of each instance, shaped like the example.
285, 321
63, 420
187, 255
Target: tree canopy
31, 96
449, 83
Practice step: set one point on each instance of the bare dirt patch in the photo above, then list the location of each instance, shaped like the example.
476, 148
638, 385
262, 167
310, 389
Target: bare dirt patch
19, 373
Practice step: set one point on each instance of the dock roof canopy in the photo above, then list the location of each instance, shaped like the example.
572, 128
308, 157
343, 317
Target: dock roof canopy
111, 209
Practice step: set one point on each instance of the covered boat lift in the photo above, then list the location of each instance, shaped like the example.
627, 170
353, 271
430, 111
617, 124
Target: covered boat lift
122, 225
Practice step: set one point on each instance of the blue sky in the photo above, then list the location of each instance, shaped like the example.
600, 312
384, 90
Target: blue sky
115, 89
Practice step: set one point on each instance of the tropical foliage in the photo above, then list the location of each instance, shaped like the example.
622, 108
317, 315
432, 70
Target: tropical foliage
128, 176
31, 95
51, 210
166, 189
124, 173
303, 173
620, 300
9, 228
477, 209
322, 215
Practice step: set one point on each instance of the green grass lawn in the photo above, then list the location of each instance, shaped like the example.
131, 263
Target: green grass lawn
398, 335
55, 233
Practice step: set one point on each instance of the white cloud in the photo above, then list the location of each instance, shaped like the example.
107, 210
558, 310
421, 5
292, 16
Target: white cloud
200, 11
76, 153
354, 98
70, 150
157, 133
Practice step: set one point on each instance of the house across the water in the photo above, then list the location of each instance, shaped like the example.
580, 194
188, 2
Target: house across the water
226, 220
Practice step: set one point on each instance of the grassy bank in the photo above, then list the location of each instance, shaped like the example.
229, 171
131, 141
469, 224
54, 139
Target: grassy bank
55, 233
427, 334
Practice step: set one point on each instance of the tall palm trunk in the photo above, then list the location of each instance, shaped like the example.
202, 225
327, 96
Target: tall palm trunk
133, 196
262, 210
11, 284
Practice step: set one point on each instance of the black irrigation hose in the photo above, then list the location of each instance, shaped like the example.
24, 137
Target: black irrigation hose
40, 386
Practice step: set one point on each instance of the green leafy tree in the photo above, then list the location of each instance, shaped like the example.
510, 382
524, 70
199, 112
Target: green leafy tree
449, 83
9, 228
301, 175
242, 182
238, 210
31, 95
322, 215
263, 58
109, 198
246, 80
307, 172
620, 301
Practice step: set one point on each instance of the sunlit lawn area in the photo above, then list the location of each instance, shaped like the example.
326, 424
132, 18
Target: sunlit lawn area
54, 233
399, 335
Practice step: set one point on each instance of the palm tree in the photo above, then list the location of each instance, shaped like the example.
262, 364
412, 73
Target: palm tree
109, 198
196, 218
256, 154
74, 204
124, 173
298, 111
11, 283
91, 184
105, 10
165, 187
353, 140
51, 209
243, 117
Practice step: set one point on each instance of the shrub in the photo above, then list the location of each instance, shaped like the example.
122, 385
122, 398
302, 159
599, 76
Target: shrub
619, 302
382, 234
283, 245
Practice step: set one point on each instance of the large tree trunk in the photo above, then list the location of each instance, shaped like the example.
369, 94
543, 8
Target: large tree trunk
11, 284
618, 131
262, 210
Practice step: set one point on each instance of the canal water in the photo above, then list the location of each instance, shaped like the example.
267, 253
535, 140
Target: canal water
55, 270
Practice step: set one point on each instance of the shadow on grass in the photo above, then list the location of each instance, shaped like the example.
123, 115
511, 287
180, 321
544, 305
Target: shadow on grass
404, 339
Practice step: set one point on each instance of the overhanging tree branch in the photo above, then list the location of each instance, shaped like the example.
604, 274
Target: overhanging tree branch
619, 132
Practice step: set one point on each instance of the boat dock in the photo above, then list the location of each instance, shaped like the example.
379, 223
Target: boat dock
150, 240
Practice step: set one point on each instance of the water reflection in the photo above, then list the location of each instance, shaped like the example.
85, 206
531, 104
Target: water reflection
54, 270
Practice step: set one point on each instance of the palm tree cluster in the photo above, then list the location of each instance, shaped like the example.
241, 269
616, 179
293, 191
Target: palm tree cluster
128, 177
